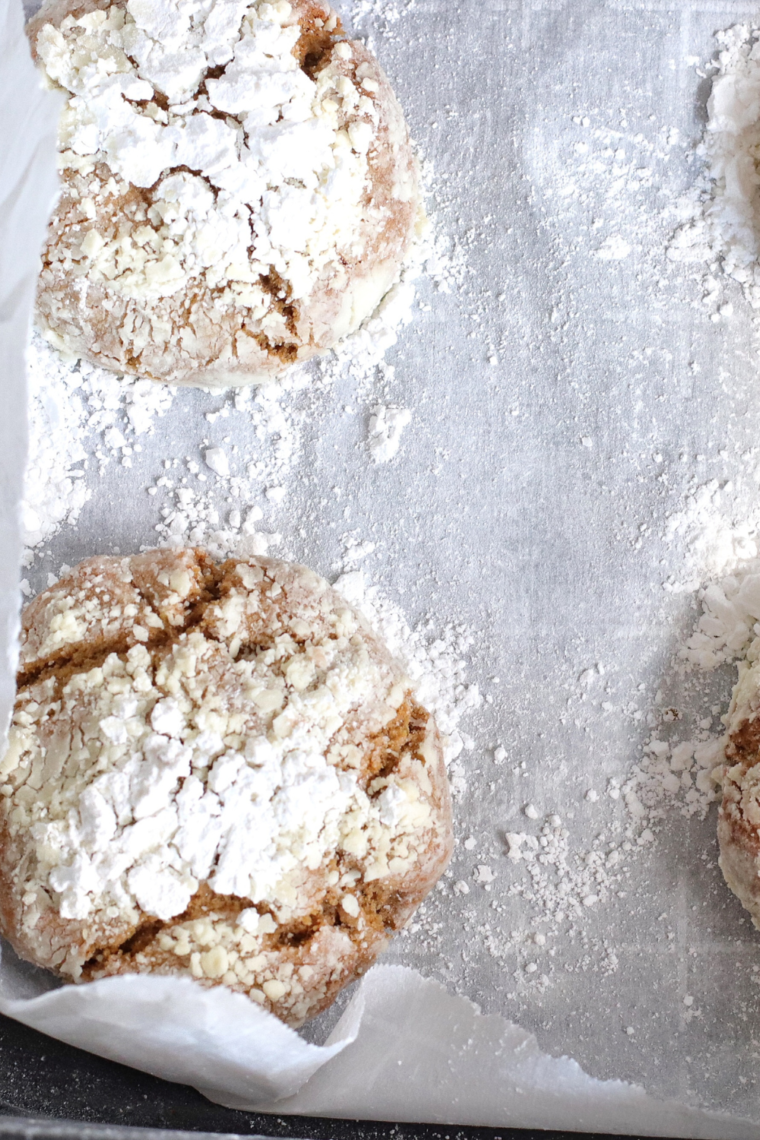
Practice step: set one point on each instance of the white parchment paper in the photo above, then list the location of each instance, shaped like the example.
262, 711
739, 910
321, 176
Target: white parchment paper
424, 1054
534, 399
28, 119
404, 1050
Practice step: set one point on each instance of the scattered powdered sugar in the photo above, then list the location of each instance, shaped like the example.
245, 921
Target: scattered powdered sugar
216, 459
80, 417
194, 519
433, 256
385, 428
730, 619
432, 658
678, 772
674, 774
55, 489
685, 746
709, 536
564, 883
193, 513
613, 248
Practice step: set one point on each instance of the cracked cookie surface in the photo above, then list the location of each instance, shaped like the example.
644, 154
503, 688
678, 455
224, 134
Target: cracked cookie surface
218, 772
238, 186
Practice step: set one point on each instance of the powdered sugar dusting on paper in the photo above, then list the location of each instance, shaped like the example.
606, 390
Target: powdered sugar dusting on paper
685, 748
676, 773
703, 526
79, 416
432, 657
711, 539
385, 428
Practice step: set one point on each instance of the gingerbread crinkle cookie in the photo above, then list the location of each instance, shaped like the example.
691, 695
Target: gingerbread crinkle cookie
238, 187
217, 772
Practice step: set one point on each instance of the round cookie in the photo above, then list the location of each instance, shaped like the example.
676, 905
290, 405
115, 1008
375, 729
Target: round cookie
217, 772
238, 186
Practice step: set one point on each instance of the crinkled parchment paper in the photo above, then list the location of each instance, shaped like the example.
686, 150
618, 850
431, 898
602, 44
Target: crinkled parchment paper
404, 1049
564, 399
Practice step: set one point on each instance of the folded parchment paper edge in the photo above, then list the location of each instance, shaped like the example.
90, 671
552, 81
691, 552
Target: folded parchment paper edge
404, 1050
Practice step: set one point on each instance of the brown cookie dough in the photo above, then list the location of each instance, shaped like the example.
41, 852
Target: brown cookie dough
238, 186
217, 772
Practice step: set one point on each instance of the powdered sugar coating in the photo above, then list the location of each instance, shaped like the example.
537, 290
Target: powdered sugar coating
239, 190
252, 751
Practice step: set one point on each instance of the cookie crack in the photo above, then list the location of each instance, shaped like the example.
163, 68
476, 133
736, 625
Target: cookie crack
82, 661
70, 665
204, 902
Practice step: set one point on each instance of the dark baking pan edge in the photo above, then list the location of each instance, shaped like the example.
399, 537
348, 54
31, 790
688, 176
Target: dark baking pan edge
35, 1128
